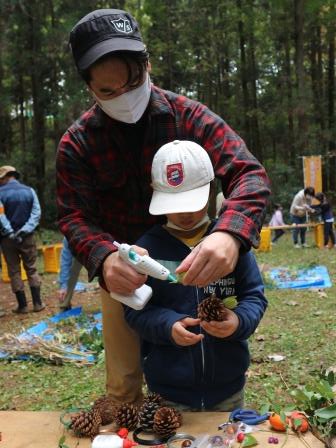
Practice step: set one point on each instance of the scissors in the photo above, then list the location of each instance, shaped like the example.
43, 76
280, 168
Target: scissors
247, 416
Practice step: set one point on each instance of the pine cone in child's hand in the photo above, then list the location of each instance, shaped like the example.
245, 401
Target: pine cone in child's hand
212, 308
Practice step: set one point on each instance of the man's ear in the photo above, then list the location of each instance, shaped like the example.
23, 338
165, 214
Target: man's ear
149, 67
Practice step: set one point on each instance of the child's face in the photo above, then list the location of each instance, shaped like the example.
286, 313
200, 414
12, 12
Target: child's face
187, 220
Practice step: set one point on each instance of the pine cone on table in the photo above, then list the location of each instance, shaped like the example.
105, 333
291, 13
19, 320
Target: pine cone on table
86, 424
166, 421
146, 415
153, 397
212, 308
126, 416
105, 407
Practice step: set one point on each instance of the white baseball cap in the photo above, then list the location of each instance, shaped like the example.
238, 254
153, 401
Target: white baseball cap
181, 176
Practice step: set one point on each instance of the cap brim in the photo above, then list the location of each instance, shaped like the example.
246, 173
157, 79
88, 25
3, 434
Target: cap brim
179, 202
108, 46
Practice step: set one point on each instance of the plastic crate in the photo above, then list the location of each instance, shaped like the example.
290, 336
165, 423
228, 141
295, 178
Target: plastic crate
51, 257
4, 271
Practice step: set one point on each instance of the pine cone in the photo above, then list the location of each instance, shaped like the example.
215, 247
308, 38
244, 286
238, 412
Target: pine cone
212, 308
105, 407
154, 397
146, 415
86, 424
126, 416
166, 421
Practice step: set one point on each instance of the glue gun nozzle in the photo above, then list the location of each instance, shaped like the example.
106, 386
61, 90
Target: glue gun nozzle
172, 278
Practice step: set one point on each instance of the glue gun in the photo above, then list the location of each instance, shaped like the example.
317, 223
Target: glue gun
144, 265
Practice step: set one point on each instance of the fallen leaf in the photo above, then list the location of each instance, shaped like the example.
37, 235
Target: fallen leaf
292, 303
276, 357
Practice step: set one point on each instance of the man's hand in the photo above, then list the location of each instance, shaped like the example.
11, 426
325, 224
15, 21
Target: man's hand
183, 337
222, 329
61, 294
119, 276
212, 259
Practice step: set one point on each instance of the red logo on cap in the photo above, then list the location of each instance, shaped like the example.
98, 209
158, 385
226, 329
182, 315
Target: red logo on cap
175, 174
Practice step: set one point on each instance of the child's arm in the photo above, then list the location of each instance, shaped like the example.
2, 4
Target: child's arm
252, 303
153, 323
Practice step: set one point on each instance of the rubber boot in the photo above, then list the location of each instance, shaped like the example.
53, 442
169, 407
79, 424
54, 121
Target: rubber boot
21, 299
36, 296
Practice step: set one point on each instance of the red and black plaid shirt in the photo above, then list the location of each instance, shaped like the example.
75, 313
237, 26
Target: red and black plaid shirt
104, 175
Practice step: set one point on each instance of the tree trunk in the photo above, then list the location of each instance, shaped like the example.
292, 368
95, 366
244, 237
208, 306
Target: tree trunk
331, 105
300, 77
243, 77
36, 79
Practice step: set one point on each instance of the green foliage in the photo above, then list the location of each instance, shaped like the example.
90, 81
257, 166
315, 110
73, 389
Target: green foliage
318, 401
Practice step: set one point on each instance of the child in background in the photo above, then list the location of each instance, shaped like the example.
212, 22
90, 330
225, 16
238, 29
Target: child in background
191, 363
68, 276
328, 219
277, 220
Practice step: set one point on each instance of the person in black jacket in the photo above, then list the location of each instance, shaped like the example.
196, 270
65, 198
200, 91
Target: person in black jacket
191, 363
325, 210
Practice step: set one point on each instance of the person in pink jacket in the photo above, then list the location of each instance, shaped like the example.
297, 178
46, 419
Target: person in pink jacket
277, 220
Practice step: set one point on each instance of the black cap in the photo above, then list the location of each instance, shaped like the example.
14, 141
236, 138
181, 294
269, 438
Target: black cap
101, 32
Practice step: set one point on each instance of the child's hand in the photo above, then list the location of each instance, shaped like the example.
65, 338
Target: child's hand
183, 337
222, 329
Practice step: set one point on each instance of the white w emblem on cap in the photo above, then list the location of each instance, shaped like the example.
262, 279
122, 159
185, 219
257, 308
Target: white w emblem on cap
122, 25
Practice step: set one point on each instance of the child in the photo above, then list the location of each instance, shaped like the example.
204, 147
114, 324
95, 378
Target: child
328, 218
277, 220
193, 364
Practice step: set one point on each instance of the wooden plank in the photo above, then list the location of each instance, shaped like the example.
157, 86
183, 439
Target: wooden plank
294, 226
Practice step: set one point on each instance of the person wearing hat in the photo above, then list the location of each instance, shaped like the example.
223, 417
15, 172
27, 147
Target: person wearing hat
20, 216
103, 169
192, 363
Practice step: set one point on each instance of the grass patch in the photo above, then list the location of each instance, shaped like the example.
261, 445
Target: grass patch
298, 324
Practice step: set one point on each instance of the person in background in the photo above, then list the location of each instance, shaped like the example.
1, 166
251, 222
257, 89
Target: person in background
277, 220
22, 209
5, 230
69, 272
299, 209
192, 363
103, 167
328, 219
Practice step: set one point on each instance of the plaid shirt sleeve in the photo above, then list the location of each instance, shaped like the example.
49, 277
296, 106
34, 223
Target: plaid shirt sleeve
244, 180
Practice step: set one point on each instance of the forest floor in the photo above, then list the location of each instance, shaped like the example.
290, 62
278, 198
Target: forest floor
299, 325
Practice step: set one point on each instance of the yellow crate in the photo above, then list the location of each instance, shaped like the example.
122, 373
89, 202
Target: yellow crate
51, 257
4, 271
265, 240
319, 235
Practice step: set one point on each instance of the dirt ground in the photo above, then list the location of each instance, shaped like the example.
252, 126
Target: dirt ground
14, 323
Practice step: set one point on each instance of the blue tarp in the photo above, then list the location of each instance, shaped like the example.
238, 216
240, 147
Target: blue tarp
41, 330
312, 277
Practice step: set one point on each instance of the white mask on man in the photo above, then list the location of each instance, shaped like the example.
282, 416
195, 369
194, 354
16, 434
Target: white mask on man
130, 106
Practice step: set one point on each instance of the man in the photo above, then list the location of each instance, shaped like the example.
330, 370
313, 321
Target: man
104, 173
300, 207
20, 217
